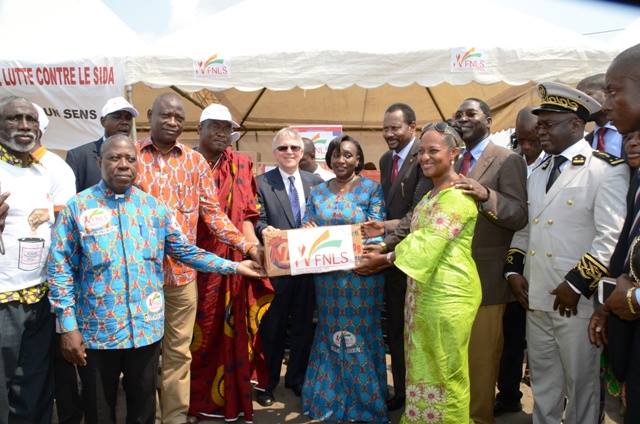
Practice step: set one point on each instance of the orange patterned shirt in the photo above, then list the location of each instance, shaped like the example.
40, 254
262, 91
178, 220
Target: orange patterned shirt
182, 179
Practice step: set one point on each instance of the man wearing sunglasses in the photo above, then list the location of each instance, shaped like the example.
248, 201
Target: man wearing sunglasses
282, 195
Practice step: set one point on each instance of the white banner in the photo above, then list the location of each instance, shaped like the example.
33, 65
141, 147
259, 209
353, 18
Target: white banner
321, 135
321, 249
71, 94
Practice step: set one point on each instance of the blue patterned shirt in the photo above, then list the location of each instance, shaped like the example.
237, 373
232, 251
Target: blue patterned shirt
105, 266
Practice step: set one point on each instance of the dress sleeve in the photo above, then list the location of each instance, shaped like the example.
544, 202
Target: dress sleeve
310, 212
420, 252
375, 211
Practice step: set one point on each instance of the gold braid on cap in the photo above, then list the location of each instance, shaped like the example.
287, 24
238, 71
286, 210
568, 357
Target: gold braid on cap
561, 101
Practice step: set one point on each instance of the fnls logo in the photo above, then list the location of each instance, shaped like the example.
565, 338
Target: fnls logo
324, 251
211, 67
468, 60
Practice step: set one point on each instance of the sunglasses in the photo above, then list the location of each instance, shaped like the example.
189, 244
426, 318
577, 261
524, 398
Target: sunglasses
284, 148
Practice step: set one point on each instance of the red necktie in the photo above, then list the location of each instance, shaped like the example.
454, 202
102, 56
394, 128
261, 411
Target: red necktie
466, 163
601, 132
394, 169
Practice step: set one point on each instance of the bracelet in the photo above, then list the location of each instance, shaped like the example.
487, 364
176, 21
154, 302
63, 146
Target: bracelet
390, 259
630, 294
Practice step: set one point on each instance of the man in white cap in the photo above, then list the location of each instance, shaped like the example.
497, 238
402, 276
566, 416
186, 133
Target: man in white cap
116, 117
577, 209
237, 352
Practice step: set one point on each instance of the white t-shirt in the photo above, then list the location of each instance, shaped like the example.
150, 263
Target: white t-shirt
27, 232
64, 180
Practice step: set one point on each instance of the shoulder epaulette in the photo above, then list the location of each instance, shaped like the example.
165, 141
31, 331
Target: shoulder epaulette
610, 159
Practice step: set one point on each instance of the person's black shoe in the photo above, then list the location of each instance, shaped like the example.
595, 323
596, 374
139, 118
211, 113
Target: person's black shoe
265, 398
500, 408
395, 403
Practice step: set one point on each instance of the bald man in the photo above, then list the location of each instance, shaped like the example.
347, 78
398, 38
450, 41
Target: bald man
182, 179
622, 106
308, 161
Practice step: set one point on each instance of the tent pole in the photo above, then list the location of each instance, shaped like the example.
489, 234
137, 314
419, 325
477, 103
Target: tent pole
433, 99
188, 97
255, 102
129, 95
246, 115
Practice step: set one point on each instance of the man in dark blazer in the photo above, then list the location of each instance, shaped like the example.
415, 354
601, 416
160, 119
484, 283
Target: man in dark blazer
116, 117
294, 299
623, 305
402, 183
496, 178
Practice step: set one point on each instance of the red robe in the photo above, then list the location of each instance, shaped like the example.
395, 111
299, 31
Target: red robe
226, 347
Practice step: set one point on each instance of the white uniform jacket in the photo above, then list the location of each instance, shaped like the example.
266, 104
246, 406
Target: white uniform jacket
573, 229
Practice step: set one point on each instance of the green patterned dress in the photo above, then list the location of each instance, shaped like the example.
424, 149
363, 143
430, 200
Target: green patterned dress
443, 296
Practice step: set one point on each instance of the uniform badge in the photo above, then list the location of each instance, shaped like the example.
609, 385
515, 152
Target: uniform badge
546, 163
578, 160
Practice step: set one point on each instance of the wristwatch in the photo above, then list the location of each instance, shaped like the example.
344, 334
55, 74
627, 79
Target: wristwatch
383, 247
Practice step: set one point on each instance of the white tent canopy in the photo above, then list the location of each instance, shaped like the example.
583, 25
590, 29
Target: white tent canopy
629, 37
68, 57
282, 44
62, 30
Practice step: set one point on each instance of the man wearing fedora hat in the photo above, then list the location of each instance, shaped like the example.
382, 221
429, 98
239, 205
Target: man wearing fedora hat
116, 117
224, 355
576, 212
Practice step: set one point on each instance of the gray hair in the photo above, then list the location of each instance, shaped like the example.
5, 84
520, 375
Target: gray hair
287, 133
8, 99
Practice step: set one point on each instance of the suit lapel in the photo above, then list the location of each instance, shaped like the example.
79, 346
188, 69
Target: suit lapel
564, 179
483, 163
277, 185
409, 162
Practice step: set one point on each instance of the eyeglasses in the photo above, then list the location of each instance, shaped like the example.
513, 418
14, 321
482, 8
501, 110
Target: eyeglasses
286, 147
443, 128
543, 125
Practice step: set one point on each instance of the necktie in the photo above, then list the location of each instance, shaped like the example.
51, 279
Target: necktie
555, 170
295, 202
601, 132
466, 163
394, 167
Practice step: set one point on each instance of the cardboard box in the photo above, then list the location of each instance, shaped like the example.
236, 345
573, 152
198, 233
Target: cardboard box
277, 260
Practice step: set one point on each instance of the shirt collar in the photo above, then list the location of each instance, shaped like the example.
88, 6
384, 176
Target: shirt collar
109, 193
573, 150
148, 144
477, 150
10, 158
285, 176
608, 125
405, 150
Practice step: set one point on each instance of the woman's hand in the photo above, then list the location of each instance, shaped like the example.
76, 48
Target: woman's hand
309, 224
250, 269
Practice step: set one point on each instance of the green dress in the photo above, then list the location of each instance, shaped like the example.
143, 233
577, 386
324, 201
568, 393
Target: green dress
443, 296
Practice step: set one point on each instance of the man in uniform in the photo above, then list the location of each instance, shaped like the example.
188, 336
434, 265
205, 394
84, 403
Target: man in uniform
576, 211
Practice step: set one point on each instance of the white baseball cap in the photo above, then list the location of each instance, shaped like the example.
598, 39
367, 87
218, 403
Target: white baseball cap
118, 103
43, 119
218, 112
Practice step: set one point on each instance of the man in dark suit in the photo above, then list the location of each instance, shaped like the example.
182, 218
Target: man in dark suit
496, 178
402, 183
116, 117
623, 110
282, 194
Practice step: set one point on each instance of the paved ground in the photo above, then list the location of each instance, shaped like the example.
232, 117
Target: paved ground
288, 409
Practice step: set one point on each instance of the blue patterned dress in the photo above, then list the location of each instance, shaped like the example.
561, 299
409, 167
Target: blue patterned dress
346, 376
